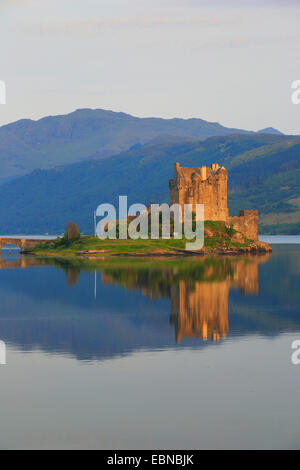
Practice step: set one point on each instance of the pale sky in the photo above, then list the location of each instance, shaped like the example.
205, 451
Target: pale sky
211, 59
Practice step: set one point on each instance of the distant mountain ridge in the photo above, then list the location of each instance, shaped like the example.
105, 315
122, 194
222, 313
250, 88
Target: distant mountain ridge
264, 174
26, 145
270, 130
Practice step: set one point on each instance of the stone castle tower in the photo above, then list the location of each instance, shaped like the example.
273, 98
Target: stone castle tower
203, 185
208, 186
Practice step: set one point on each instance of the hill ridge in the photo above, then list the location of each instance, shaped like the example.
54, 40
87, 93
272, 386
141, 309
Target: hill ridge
64, 139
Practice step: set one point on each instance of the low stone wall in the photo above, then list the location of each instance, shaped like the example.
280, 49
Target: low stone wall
246, 223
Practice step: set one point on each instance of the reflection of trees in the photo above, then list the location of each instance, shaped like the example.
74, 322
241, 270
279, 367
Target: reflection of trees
72, 276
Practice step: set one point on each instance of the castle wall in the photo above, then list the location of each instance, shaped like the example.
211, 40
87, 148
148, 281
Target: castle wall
246, 223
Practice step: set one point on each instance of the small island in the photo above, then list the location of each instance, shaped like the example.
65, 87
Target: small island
219, 240
191, 185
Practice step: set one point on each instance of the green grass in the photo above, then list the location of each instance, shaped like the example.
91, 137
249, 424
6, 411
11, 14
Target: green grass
110, 246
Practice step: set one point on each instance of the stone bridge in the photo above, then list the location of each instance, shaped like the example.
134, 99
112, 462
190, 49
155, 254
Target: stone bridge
25, 244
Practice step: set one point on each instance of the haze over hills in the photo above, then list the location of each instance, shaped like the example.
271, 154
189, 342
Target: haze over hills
264, 173
26, 145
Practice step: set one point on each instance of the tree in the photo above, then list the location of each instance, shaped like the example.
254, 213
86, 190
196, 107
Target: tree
72, 231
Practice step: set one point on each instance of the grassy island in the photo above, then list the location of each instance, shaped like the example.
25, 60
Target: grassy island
219, 239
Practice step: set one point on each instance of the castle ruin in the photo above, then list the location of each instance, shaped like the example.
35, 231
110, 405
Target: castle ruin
208, 186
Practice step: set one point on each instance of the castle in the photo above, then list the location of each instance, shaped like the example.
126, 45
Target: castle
208, 186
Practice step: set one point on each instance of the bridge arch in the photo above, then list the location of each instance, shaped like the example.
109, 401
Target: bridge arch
11, 241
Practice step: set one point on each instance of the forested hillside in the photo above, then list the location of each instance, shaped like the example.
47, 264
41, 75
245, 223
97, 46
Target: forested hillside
264, 173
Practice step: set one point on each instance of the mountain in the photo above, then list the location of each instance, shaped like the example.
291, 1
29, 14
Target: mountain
270, 130
264, 173
59, 140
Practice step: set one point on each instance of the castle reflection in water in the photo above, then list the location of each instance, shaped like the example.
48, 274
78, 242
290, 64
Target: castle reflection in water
202, 309
98, 309
198, 288
199, 308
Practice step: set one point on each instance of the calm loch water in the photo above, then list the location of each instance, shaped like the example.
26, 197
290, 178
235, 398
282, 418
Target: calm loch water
166, 354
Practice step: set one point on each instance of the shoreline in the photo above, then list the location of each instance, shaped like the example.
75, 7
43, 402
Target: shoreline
255, 248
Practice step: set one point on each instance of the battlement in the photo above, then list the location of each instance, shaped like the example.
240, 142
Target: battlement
188, 174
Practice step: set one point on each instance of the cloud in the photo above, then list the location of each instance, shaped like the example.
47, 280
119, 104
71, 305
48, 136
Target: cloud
250, 41
96, 25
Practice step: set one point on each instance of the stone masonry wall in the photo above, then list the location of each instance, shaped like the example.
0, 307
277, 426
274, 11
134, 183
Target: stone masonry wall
201, 185
246, 223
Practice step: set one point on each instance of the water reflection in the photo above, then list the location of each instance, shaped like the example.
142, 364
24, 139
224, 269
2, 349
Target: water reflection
145, 303
14, 260
198, 290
